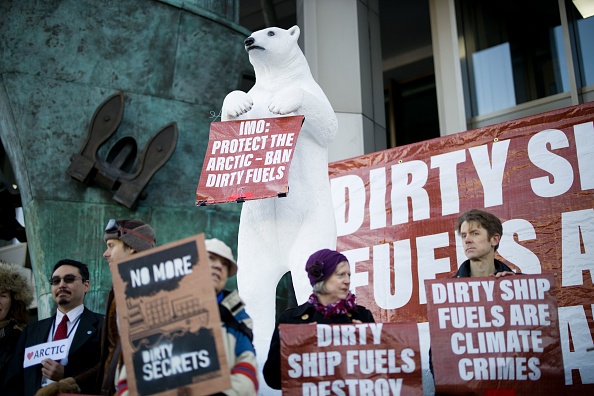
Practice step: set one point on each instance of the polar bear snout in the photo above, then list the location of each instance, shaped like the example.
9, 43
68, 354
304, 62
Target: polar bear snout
249, 44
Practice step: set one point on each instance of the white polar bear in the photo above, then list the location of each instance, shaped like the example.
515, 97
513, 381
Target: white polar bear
277, 235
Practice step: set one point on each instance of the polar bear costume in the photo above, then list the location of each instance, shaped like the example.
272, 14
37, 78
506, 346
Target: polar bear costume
277, 235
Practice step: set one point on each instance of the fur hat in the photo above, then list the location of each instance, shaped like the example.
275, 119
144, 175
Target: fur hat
134, 233
321, 265
220, 248
13, 280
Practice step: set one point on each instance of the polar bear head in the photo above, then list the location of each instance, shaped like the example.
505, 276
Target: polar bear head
274, 47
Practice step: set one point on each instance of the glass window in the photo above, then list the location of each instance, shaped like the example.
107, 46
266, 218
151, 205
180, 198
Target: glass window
512, 52
493, 78
583, 31
585, 48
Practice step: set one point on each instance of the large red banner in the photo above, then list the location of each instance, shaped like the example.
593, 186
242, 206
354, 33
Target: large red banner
396, 212
492, 333
351, 359
248, 159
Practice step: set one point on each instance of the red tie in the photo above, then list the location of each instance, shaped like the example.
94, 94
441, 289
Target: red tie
62, 330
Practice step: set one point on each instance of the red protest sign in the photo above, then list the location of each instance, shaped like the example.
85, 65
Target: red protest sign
352, 359
248, 159
495, 333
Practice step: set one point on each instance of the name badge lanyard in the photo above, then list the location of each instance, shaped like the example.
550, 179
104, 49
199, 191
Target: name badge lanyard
71, 329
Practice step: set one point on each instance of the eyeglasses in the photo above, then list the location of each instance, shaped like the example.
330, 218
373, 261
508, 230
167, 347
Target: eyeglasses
114, 226
55, 280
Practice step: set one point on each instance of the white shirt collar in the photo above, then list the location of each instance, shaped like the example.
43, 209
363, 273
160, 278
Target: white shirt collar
73, 314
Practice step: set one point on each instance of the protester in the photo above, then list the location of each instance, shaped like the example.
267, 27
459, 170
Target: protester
237, 325
330, 303
16, 294
74, 322
123, 239
480, 232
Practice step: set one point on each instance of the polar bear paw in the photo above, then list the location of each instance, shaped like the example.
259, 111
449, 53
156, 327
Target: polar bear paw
286, 101
237, 103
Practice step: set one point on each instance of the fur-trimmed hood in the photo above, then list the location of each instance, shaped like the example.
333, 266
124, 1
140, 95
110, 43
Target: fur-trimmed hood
13, 280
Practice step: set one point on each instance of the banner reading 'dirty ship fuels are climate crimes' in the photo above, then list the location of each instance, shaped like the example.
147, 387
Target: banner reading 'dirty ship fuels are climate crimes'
492, 333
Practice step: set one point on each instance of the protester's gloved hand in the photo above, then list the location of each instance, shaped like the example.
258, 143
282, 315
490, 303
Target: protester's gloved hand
66, 385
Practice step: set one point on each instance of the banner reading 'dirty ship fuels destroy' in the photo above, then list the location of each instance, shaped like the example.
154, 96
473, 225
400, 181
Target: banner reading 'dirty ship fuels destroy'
350, 359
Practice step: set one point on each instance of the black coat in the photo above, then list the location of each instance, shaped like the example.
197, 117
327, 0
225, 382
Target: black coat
83, 353
464, 270
8, 343
303, 314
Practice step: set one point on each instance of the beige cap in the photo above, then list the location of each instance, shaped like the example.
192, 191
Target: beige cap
220, 248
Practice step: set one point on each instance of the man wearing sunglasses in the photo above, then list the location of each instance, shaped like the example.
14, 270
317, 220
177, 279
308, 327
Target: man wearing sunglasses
73, 324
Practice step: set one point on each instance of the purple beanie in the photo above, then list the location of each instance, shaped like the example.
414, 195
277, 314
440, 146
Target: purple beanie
322, 264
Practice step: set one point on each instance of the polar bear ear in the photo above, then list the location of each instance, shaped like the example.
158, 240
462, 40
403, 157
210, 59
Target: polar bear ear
294, 31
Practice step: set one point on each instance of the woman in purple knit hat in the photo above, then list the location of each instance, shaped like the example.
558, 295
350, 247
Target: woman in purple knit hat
330, 303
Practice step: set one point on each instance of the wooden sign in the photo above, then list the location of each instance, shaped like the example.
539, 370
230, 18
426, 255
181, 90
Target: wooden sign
169, 321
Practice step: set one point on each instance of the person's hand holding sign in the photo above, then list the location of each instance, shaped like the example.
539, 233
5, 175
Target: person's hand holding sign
502, 274
52, 369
